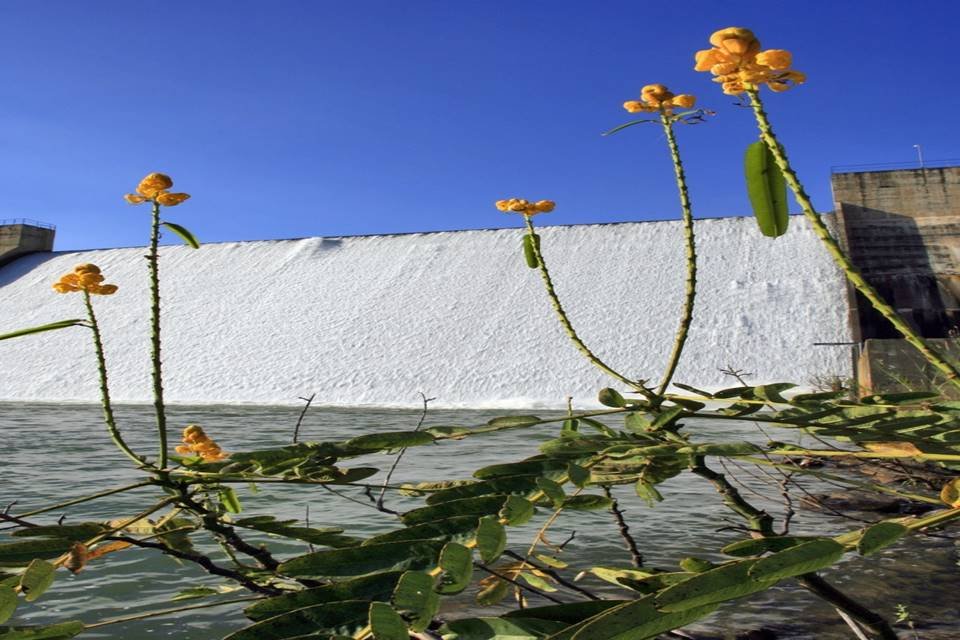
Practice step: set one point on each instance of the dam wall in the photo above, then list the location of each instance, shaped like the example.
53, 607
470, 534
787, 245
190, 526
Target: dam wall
458, 316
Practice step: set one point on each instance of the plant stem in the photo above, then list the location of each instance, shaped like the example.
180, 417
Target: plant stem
154, 263
108, 417
565, 320
843, 261
166, 612
87, 498
691, 254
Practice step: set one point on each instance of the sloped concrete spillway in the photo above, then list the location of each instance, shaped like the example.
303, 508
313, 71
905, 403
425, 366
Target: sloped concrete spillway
374, 320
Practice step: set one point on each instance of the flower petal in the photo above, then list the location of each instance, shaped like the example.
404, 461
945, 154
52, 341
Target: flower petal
134, 199
172, 199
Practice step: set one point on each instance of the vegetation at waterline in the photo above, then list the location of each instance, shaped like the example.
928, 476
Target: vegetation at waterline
391, 586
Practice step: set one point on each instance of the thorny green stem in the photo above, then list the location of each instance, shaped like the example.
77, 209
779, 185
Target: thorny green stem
843, 261
565, 320
157, 376
686, 317
108, 417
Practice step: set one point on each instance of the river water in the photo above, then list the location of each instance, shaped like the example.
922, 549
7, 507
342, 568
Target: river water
55, 452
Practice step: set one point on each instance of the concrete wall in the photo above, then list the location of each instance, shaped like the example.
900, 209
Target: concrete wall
902, 230
20, 239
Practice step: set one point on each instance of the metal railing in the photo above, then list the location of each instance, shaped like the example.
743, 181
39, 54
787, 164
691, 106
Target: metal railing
27, 221
893, 166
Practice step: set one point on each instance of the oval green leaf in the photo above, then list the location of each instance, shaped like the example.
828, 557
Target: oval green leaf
456, 563
185, 235
766, 189
491, 538
386, 624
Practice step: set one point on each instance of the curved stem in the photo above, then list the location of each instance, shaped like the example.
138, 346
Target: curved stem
157, 376
565, 321
691, 255
843, 261
108, 417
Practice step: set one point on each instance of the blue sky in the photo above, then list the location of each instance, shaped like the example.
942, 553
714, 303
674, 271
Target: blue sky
302, 118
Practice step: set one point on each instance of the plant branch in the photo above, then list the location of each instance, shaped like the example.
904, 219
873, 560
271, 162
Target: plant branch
153, 261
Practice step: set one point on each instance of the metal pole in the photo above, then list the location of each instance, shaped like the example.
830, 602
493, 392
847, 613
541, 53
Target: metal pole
919, 154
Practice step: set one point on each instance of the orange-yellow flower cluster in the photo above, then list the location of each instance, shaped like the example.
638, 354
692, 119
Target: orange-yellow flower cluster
196, 442
84, 277
527, 208
655, 97
738, 63
153, 188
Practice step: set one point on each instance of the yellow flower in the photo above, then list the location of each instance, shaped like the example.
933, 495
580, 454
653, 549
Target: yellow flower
196, 442
739, 65
525, 207
84, 277
153, 188
655, 98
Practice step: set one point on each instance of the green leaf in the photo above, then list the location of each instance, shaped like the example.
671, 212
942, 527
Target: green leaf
195, 592
500, 629
448, 528
767, 190
880, 535
599, 426
327, 537
694, 390
491, 538
613, 575
339, 618
552, 490
516, 485
185, 235
8, 603
514, 421
648, 492
529, 254
456, 563
62, 324
587, 502
639, 620
377, 586
537, 465
59, 631
570, 426
723, 449
771, 392
36, 579
803, 558
537, 582
756, 546
230, 500
611, 398
907, 397
386, 624
355, 561
696, 565
391, 440
73, 532
479, 506
628, 124
725, 582
493, 592
517, 510
14, 554
578, 475
415, 599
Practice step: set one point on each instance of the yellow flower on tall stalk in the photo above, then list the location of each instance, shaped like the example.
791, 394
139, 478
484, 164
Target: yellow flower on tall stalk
153, 188
84, 277
197, 442
739, 65
655, 98
527, 208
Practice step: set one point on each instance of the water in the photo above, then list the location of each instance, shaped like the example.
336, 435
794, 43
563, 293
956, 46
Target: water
53, 453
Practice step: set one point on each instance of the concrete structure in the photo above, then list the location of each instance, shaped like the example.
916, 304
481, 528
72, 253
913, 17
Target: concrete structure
902, 229
20, 236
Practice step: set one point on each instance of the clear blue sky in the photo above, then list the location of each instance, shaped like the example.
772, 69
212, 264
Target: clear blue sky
302, 118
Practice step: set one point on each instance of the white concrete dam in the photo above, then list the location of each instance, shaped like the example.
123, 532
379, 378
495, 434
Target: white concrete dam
457, 315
